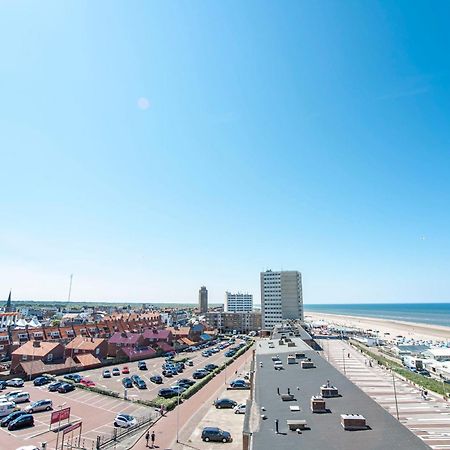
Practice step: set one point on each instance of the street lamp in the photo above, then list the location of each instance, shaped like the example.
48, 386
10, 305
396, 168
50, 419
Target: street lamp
395, 395
343, 360
178, 413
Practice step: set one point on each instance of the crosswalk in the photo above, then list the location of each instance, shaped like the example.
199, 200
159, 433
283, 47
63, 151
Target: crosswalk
429, 419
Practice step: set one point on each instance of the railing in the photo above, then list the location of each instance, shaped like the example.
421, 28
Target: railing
119, 433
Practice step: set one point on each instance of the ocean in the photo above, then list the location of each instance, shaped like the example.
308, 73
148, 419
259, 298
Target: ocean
429, 313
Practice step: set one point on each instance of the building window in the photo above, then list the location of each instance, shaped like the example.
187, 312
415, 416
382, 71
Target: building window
97, 351
50, 357
24, 357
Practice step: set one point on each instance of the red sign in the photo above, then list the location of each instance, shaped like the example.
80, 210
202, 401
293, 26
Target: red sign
71, 428
62, 414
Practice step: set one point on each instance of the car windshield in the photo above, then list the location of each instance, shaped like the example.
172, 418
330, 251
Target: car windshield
126, 417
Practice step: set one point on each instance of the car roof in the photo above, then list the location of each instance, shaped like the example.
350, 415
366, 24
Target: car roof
211, 429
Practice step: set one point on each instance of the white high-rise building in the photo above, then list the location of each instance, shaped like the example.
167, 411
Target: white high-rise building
238, 302
281, 297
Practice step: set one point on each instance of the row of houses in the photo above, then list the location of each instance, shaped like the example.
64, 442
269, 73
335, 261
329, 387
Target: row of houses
13, 338
36, 356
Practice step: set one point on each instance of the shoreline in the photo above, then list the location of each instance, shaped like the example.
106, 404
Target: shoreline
419, 331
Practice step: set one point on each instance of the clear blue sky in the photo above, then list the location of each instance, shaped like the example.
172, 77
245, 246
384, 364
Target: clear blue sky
152, 147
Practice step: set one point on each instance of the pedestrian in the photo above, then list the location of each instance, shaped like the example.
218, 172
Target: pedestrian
147, 437
153, 439
278, 390
348, 354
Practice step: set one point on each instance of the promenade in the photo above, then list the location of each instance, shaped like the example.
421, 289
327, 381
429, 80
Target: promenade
428, 419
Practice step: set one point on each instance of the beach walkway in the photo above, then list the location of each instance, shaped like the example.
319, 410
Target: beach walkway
429, 419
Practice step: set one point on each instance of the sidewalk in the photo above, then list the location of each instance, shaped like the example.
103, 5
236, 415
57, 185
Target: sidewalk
191, 411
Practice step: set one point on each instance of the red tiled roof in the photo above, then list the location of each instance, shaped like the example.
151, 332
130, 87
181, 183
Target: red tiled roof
87, 359
144, 353
121, 338
29, 349
150, 333
84, 343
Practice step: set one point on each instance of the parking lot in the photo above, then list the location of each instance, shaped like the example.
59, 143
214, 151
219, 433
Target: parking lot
96, 411
154, 367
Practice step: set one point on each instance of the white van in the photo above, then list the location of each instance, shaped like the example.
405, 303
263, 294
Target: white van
7, 408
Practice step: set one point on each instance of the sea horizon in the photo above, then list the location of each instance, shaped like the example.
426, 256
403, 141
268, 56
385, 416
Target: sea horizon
436, 313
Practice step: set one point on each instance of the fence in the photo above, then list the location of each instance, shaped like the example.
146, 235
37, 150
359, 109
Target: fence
119, 433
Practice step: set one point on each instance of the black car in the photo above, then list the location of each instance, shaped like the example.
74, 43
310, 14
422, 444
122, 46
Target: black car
127, 382
224, 403
53, 387
186, 381
211, 367
215, 434
167, 393
138, 382
39, 381
199, 374
142, 365
66, 387
26, 420
157, 379
74, 377
2, 385
10, 417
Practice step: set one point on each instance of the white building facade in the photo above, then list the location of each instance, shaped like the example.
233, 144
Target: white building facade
238, 302
281, 297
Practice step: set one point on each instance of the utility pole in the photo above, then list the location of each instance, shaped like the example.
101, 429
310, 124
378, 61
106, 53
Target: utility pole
70, 287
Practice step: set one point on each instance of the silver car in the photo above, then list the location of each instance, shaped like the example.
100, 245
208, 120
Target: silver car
40, 405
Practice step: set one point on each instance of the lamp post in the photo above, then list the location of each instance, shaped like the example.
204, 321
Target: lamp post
178, 413
343, 360
395, 395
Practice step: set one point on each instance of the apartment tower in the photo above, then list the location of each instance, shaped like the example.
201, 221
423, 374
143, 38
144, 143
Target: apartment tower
203, 300
281, 297
238, 302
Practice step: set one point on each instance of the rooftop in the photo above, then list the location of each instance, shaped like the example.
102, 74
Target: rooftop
36, 348
325, 430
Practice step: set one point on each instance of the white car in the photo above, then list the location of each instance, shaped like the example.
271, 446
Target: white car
16, 382
124, 421
28, 447
17, 396
240, 409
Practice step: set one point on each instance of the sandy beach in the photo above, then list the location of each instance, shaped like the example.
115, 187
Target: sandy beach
417, 331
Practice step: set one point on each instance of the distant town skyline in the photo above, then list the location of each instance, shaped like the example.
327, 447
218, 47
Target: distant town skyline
175, 145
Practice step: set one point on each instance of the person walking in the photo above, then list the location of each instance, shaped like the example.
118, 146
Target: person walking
153, 439
147, 437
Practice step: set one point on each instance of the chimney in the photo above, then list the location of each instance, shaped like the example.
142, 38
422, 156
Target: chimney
36, 343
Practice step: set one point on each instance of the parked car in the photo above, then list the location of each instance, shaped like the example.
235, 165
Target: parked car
138, 382
10, 417
75, 377
66, 387
211, 367
425, 373
157, 379
187, 381
116, 371
222, 403
125, 370
53, 387
6, 408
142, 365
39, 381
240, 409
167, 393
189, 362
40, 405
215, 434
124, 421
167, 373
87, 382
178, 389
127, 383
199, 374
230, 353
15, 382
2, 385
23, 421
17, 397
106, 373
239, 384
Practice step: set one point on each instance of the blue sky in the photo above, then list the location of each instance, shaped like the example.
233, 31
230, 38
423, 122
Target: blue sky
152, 147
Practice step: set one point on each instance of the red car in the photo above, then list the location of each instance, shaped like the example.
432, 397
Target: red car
125, 370
87, 382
